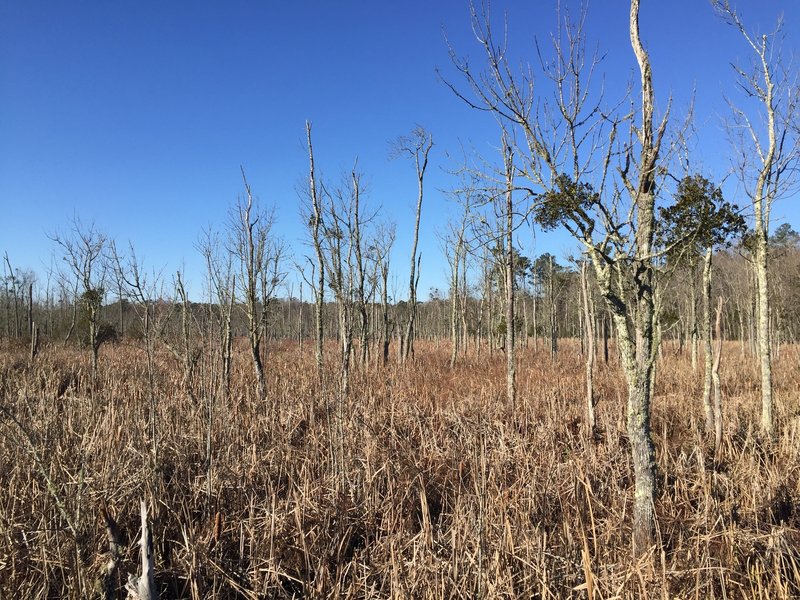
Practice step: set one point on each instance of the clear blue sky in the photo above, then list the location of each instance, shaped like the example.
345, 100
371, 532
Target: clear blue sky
138, 115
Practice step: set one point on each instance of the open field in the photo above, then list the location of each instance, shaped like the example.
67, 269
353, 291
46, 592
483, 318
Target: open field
429, 486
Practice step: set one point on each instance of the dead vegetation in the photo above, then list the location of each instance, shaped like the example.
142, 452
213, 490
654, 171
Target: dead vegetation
429, 487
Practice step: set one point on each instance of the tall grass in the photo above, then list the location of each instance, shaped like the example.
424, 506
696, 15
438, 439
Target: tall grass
435, 489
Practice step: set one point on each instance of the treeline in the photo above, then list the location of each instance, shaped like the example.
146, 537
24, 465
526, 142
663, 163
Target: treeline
548, 297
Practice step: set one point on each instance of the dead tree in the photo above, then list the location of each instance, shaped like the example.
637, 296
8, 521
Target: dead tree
508, 171
7, 301
359, 255
455, 249
69, 285
143, 587
82, 250
386, 234
417, 147
315, 224
257, 252
766, 150
119, 284
183, 351
144, 290
377, 243
222, 297
11, 276
339, 256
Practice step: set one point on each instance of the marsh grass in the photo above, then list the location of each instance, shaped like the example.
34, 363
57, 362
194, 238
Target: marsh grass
434, 490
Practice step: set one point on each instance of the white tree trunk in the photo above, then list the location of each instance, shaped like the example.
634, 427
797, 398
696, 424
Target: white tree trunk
144, 587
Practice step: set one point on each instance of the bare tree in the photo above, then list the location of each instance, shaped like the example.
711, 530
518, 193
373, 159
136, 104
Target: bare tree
119, 283
456, 245
386, 234
222, 297
315, 224
82, 249
21, 290
144, 290
417, 147
11, 277
69, 284
183, 351
340, 231
361, 255
766, 150
258, 253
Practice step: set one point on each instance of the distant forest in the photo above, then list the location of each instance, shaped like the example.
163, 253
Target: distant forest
548, 300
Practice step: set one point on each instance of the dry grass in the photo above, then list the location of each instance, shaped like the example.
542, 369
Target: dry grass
437, 490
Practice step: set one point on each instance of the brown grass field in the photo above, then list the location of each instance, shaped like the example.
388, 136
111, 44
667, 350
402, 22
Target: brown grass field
428, 487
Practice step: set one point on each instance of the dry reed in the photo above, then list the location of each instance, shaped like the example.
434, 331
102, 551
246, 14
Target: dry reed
425, 485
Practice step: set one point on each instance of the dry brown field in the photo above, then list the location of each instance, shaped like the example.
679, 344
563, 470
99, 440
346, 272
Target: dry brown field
423, 483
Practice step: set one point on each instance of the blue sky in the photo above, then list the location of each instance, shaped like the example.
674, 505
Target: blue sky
138, 115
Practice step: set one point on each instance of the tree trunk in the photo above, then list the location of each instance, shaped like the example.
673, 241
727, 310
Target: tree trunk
553, 317
693, 314
346, 333
360, 273
121, 311
639, 363
764, 350
30, 310
34, 348
454, 291
644, 463
227, 341
511, 384
588, 320
535, 325
319, 292
708, 407
525, 318
187, 353
300, 321
385, 310
258, 365
715, 379
93, 342
424, 142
